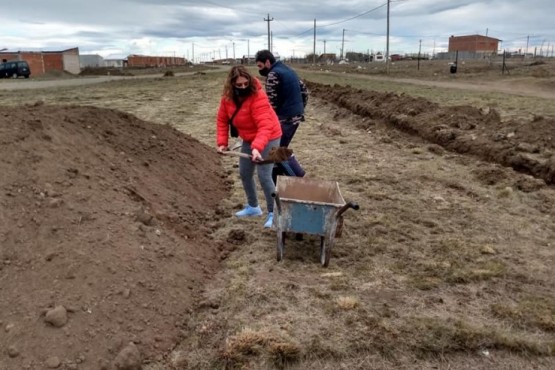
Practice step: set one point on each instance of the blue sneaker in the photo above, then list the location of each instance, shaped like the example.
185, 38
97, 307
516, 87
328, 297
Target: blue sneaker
249, 211
269, 220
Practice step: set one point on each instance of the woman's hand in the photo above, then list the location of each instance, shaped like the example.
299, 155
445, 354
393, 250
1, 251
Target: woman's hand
222, 148
256, 156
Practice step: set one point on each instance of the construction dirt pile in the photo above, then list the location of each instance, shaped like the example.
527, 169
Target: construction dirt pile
104, 236
526, 146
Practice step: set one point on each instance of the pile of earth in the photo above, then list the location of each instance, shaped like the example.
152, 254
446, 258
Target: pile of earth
105, 224
526, 146
104, 71
139, 71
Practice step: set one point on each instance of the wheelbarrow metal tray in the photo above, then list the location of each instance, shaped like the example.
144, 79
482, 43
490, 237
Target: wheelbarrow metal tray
308, 205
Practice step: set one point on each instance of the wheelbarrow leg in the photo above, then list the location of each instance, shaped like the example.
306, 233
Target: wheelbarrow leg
326, 243
280, 244
279, 226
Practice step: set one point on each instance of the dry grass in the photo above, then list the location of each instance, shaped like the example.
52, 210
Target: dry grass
432, 336
261, 347
347, 303
536, 312
436, 267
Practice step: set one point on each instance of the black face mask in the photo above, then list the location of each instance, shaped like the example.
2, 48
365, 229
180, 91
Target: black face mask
241, 92
264, 71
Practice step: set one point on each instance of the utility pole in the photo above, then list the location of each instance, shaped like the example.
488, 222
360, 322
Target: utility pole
314, 44
527, 42
248, 51
419, 48
193, 53
324, 46
387, 41
269, 20
342, 44
234, 52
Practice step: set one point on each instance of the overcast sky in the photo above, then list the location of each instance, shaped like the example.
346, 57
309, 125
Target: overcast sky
206, 29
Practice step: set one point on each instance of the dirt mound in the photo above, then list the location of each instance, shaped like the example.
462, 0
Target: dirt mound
103, 235
526, 146
104, 71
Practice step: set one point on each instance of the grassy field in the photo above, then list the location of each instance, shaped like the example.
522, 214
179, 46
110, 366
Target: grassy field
440, 268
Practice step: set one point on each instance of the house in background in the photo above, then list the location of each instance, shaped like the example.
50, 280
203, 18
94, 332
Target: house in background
97, 61
473, 44
470, 47
41, 62
135, 60
328, 58
115, 63
91, 60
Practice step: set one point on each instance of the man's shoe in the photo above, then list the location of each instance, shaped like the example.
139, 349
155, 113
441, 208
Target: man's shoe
269, 220
249, 211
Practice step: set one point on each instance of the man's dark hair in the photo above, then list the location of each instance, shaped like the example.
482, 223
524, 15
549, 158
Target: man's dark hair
264, 55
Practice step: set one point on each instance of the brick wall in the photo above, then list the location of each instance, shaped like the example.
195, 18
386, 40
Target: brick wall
474, 43
53, 62
42, 62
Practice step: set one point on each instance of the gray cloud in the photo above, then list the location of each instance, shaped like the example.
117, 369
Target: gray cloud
158, 24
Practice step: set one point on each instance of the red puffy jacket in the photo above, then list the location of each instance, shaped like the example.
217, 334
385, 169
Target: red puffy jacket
256, 121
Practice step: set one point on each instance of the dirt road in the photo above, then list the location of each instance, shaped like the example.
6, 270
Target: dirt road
22, 84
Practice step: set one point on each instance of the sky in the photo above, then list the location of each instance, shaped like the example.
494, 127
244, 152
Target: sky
203, 30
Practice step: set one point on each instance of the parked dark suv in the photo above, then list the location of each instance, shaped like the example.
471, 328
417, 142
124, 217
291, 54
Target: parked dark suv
14, 69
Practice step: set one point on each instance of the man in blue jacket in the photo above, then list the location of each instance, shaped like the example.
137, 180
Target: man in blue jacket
288, 96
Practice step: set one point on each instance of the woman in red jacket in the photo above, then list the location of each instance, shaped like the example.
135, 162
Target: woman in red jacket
245, 105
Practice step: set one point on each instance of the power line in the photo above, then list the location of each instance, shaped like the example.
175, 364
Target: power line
342, 21
354, 17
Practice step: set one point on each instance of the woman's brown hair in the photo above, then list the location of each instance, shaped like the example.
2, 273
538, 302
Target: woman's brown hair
234, 73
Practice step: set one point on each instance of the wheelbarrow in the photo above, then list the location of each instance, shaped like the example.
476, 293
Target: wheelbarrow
309, 206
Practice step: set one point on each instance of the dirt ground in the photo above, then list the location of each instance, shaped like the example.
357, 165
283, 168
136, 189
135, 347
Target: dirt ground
118, 248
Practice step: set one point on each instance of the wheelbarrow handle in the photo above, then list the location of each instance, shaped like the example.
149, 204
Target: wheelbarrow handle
346, 207
278, 202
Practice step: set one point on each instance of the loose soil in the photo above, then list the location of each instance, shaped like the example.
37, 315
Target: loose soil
526, 146
107, 216
119, 249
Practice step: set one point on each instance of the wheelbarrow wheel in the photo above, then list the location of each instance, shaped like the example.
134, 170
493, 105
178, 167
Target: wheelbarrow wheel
325, 251
280, 245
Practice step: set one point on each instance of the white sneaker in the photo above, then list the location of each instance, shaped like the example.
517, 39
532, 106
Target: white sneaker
249, 211
269, 220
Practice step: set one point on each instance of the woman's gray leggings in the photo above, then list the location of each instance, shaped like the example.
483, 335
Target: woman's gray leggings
246, 171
